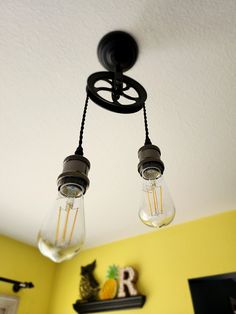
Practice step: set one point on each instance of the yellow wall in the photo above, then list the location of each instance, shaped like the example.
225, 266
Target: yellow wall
165, 259
22, 262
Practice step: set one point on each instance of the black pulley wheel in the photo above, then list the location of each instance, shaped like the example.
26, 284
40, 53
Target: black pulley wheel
129, 99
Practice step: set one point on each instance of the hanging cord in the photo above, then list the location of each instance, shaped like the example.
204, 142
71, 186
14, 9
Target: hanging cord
147, 139
79, 150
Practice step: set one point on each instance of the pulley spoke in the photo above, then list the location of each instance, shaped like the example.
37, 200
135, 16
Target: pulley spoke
129, 97
109, 81
98, 89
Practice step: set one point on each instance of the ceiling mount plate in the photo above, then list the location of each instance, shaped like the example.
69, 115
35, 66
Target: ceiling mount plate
117, 51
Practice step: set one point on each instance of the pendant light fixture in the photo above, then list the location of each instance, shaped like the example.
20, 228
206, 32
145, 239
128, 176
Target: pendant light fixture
63, 231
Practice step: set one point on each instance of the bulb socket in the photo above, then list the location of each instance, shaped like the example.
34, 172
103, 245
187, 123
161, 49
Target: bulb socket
74, 175
150, 166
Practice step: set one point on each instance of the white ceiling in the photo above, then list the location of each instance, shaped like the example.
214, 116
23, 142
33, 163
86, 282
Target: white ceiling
187, 65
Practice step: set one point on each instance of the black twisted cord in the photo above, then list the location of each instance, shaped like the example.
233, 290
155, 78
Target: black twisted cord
79, 150
147, 139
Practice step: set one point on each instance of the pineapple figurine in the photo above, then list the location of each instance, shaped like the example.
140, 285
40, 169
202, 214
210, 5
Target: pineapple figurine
110, 287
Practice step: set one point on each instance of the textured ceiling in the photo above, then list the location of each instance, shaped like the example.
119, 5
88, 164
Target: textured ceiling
187, 65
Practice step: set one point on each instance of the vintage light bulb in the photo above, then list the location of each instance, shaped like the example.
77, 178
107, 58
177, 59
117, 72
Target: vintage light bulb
156, 207
63, 231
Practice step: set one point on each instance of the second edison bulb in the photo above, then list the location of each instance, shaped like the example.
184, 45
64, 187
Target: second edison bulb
156, 207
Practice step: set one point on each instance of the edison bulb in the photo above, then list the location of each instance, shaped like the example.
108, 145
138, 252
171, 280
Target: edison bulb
63, 231
156, 207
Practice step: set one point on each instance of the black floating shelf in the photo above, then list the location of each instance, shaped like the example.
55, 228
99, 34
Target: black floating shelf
109, 305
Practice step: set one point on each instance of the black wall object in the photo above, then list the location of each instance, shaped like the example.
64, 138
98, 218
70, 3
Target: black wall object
214, 294
110, 305
17, 285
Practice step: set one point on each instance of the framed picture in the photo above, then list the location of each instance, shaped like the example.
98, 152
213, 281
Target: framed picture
8, 304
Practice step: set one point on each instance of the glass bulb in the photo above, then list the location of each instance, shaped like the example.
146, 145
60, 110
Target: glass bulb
63, 231
156, 207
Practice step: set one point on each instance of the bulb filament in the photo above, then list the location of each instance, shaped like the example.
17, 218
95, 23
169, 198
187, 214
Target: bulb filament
58, 225
66, 223
161, 199
73, 226
153, 201
69, 206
